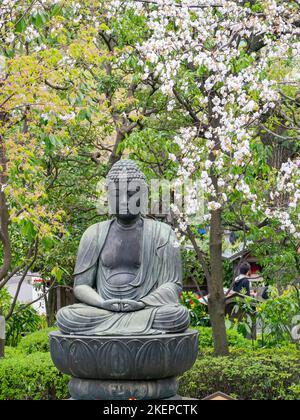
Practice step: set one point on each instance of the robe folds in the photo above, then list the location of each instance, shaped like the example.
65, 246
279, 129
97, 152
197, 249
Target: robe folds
157, 284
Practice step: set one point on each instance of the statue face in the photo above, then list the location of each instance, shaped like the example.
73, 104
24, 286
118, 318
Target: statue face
126, 199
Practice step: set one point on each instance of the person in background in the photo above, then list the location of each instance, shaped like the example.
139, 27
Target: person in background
242, 282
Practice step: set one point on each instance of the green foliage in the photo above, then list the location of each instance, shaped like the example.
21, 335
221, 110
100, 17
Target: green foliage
32, 377
296, 390
5, 300
28, 373
228, 273
192, 269
235, 339
275, 316
152, 149
36, 342
250, 375
198, 312
279, 258
11, 352
22, 322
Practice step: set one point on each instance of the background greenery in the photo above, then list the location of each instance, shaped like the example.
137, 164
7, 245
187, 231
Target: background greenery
27, 372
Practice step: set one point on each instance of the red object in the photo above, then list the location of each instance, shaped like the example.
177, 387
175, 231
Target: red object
38, 281
255, 269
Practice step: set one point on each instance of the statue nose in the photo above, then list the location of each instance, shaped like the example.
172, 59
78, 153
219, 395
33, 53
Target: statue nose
123, 202
123, 205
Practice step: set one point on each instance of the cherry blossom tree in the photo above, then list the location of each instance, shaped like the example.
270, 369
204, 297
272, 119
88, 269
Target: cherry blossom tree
226, 65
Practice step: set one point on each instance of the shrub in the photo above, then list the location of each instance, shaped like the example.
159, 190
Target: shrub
235, 339
32, 377
275, 317
11, 352
36, 342
25, 320
198, 311
192, 269
296, 390
248, 375
5, 300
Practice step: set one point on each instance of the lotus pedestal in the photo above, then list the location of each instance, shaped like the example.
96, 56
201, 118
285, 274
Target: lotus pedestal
124, 368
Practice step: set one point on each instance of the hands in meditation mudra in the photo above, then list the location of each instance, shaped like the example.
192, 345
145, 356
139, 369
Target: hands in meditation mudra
128, 274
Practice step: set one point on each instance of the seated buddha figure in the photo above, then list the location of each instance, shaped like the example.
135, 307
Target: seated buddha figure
128, 274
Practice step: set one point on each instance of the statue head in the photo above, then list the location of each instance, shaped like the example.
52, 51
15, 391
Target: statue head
127, 190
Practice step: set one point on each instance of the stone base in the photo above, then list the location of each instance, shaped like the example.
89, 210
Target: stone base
85, 389
124, 367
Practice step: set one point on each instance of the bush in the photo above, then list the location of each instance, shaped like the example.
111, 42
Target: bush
248, 375
11, 352
275, 317
32, 377
235, 339
36, 342
5, 300
198, 311
192, 269
25, 320
28, 373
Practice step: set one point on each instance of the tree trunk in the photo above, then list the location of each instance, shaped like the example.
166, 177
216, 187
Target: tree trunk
216, 302
4, 214
2, 334
50, 303
115, 156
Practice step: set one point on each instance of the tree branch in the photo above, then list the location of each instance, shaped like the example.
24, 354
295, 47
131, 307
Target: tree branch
4, 214
278, 135
62, 88
200, 254
36, 300
28, 267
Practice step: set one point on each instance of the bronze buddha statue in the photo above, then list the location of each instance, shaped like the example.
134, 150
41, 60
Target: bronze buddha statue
128, 274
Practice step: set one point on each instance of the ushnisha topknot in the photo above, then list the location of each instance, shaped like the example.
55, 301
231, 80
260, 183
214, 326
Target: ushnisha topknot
125, 170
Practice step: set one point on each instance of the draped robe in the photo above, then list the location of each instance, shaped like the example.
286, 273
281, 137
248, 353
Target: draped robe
157, 284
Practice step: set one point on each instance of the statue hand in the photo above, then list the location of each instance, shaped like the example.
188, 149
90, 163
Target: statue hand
117, 305
113, 305
132, 306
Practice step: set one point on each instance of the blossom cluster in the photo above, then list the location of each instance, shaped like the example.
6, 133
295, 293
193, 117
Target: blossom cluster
39, 6
286, 198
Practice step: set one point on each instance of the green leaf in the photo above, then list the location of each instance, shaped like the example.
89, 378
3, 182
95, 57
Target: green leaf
21, 26
56, 10
40, 20
53, 142
48, 242
57, 272
28, 229
84, 114
104, 27
228, 324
